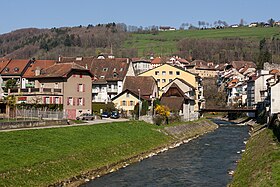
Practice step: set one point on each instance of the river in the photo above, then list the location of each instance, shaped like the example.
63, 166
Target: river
204, 161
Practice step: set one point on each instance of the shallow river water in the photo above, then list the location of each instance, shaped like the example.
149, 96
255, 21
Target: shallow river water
204, 161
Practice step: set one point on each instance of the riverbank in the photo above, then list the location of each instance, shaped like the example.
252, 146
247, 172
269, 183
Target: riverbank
260, 163
53, 156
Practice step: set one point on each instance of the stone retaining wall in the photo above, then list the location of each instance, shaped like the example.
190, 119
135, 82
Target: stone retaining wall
26, 124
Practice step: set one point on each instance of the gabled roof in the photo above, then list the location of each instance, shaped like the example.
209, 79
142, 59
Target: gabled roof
3, 63
37, 64
173, 103
274, 71
158, 60
183, 81
135, 94
146, 84
61, 70
111, 69
15, 67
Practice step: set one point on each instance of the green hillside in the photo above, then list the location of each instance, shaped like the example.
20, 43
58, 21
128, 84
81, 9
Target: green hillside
165, 42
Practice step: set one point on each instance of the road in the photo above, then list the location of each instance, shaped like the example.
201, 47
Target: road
93, 122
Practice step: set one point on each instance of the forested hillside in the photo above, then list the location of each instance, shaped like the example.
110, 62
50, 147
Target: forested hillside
68, 41
257, 44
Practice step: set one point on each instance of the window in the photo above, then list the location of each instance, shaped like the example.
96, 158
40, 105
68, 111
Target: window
115, 74
127, 95
56, 85
123, 103
163, 72
81, 88
42, 85
131, 103
163, 80
158, 80
56, 100
102, 77
156, 72
70, 101
177, 72
121, 69
80, 102
105, 69
170, 72
47, 100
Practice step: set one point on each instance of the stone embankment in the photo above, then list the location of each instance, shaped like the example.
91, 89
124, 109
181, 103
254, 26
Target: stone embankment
179, 134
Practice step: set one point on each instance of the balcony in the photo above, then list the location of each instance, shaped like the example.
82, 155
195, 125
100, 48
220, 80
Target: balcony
16, 91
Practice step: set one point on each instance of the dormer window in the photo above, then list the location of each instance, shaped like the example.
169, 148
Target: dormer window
7, 69
16, 69
102, 77
121, 69
115, 74
105, 69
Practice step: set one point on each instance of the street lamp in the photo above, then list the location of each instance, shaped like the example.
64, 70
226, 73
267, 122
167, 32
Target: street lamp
139, 109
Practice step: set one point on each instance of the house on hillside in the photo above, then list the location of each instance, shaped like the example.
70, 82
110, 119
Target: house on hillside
179, 97
202, 68
144, 87
68, 84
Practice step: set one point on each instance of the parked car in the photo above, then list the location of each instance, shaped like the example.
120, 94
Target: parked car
85, 116
115, 115
106, 114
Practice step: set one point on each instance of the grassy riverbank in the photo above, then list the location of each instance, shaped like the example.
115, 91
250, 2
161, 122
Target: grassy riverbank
260, 164
46, 156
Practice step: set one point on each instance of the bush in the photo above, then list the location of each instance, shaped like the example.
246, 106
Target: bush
159, 120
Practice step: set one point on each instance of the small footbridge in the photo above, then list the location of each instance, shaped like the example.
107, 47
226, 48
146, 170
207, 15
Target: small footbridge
230, 110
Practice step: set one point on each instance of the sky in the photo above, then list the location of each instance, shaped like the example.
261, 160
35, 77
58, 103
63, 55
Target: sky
17, 14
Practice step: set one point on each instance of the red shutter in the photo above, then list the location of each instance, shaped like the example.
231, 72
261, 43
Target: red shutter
83, 101
60, 101
44, 100
78, 88
51, 100
84, 87
68, 102
73, 101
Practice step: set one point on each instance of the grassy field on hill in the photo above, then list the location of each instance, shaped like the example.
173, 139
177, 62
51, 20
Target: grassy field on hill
165, 42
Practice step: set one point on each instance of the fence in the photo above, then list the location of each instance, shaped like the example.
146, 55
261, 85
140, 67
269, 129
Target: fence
37, 114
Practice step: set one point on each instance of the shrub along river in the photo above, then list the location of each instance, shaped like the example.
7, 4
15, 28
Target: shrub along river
204, 161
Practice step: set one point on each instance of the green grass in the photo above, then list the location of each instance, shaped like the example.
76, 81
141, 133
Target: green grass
165, 42
42, 157
260, 164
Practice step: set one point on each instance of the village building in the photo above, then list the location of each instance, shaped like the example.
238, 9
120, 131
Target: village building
68, 84
135, 88
141, 65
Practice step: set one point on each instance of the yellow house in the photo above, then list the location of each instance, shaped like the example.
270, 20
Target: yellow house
166, 73
126, 101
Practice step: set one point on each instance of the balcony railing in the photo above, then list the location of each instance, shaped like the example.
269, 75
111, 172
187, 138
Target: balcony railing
34, 90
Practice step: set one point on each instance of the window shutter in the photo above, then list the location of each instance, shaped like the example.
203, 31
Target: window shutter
44, 100
60, 101
68, 102
78, 88
120, 103
50, 100
83, 101
84, 87
73, 101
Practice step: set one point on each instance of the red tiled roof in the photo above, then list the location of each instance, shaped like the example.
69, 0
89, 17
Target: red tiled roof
239, 64
146, 84
3, 63
157, 60
15, 67
41, 64
274, 71
60, 70
111, 69
173, 103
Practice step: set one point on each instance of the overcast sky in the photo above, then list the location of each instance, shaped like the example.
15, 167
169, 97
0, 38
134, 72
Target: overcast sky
16, 14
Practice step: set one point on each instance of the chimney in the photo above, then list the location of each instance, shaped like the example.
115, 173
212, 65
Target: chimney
37, 71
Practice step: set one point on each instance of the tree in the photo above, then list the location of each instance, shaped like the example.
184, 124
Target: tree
11, 83
271, 22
